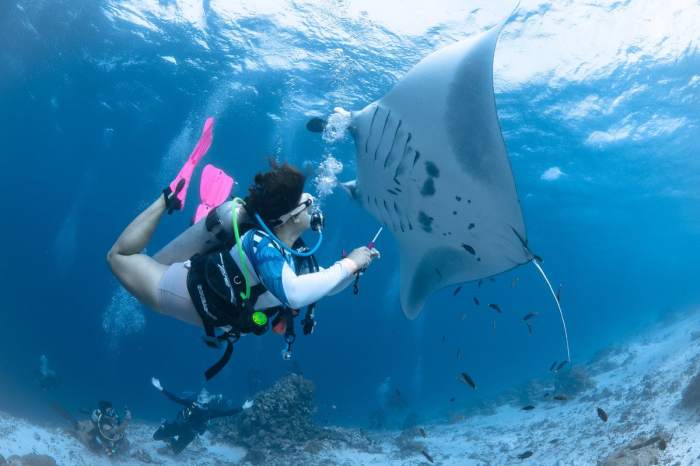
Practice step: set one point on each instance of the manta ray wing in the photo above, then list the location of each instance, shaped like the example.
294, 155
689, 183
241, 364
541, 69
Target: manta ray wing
433, 168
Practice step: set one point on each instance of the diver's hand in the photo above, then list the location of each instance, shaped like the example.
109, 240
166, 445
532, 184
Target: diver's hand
362, 257
248, 404
156, 383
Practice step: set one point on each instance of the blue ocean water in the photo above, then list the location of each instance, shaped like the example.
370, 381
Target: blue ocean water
102, 101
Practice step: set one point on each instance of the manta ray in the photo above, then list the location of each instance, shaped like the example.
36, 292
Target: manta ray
432, 167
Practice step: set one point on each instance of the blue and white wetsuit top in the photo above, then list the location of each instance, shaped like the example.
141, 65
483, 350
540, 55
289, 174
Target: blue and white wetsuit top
270, 265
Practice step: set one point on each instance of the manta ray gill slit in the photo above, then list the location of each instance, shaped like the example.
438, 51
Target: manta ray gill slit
371, 125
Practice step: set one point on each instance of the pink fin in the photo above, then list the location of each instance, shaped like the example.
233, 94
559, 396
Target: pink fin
186, 171
214, 188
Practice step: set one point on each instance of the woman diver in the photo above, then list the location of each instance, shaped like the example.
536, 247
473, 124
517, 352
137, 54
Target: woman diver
243, 269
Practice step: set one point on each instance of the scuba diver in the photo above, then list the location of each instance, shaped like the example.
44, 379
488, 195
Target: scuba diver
192, 419
244, 267
104, 431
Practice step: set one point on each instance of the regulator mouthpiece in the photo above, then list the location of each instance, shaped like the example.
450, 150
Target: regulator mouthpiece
318, 221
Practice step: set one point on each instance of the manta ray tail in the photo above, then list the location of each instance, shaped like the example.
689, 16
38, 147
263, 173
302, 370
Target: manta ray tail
561, 314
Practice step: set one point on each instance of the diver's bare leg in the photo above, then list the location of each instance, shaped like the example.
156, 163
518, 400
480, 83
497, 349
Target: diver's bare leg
199, 238
140, 274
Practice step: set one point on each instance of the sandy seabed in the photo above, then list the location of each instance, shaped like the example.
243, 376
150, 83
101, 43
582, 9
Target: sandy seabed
639, 385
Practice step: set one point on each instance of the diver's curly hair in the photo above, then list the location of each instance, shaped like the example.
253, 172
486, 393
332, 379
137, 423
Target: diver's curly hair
275, 192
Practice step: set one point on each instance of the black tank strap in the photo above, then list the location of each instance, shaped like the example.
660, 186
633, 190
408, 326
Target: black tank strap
226, 240
230, 337
212, 222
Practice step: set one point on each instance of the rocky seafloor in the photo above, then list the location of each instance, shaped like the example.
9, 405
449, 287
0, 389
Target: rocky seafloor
637, 404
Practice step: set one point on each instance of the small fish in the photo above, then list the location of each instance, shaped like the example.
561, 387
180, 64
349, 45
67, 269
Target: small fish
514, 283
525, 455
496, 308
428, 457
529, 328
422, 432
468, 380
551, 368
561, 366
530, 315
602, 414
444, 338
561, 397
546, 395
478, 284
452, 399
528, 408
457, 290
476, 300
559, 294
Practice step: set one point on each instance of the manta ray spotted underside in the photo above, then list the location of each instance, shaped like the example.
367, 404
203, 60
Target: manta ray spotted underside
432, 167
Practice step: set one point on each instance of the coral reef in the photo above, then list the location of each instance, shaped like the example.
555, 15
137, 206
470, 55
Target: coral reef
279, 428
281, 415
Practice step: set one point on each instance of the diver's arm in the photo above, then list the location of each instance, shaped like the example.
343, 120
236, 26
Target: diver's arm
297, 291
290, 289
230, 412
213, 414
302, 290
176, 399
156, 383
342, 285
360, 258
